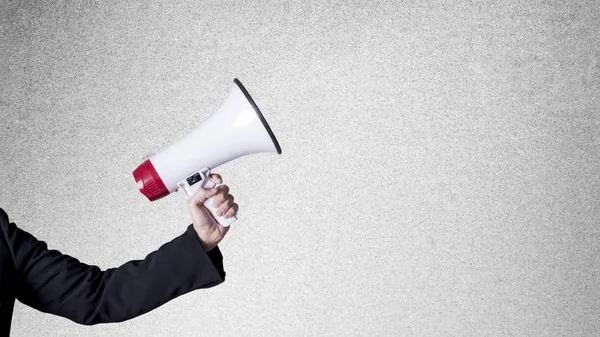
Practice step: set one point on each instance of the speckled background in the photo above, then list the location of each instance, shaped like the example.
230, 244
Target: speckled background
440, 172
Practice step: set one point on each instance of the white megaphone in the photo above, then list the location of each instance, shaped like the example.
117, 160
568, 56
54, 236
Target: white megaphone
236, 129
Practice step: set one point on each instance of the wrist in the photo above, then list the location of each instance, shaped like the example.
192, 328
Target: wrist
205, 245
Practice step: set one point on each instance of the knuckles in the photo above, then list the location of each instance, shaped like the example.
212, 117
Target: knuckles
223, 193
222, 197
223, 189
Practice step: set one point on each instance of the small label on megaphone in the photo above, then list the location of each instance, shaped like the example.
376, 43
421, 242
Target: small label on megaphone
190, 184
194, 179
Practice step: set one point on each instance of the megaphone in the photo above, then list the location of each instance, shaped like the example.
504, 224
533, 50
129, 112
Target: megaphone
236, 129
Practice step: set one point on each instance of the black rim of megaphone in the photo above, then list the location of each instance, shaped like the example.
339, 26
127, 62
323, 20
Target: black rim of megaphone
260, 115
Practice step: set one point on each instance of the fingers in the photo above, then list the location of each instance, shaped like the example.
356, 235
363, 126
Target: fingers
201, 195
232, 211
216, 178
225, 206
224, 203
222, 196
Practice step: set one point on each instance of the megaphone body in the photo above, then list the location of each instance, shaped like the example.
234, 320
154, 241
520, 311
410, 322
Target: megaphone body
236, 129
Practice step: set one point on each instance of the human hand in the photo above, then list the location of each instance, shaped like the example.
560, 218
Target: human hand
209, 231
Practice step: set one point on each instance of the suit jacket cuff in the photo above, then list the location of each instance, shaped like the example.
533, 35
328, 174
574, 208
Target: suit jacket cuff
214, 256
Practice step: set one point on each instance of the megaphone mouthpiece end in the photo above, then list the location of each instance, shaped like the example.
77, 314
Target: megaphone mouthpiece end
149, 182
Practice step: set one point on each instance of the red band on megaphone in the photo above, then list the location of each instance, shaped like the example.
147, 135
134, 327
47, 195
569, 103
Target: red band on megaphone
149, 182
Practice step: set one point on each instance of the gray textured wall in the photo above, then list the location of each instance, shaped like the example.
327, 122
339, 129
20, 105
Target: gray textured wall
439, 176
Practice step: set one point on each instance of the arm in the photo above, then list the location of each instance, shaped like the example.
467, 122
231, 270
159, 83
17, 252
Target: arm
59, 284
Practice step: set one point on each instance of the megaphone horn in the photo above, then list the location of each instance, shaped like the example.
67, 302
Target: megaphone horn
236, 129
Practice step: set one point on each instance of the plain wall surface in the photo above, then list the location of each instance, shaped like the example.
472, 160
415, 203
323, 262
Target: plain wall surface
440, 172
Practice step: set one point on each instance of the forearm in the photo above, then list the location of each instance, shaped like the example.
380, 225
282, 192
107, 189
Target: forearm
59, 284
137, 287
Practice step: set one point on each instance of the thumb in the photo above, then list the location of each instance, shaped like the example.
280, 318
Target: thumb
201, 195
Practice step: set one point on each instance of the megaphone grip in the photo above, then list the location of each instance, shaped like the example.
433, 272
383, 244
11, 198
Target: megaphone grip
201, 179
213, 211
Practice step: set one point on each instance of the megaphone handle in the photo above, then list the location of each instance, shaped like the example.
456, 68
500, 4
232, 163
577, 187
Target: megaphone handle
201, 179
213, 211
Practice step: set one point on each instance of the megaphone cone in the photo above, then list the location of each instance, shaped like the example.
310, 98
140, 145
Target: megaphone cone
236, 129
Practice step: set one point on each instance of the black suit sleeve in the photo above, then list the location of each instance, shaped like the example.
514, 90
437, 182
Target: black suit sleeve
59, 284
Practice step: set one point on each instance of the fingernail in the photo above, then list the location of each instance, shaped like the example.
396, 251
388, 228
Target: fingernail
219, 213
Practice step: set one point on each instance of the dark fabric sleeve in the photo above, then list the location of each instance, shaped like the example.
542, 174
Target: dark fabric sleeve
59, 284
